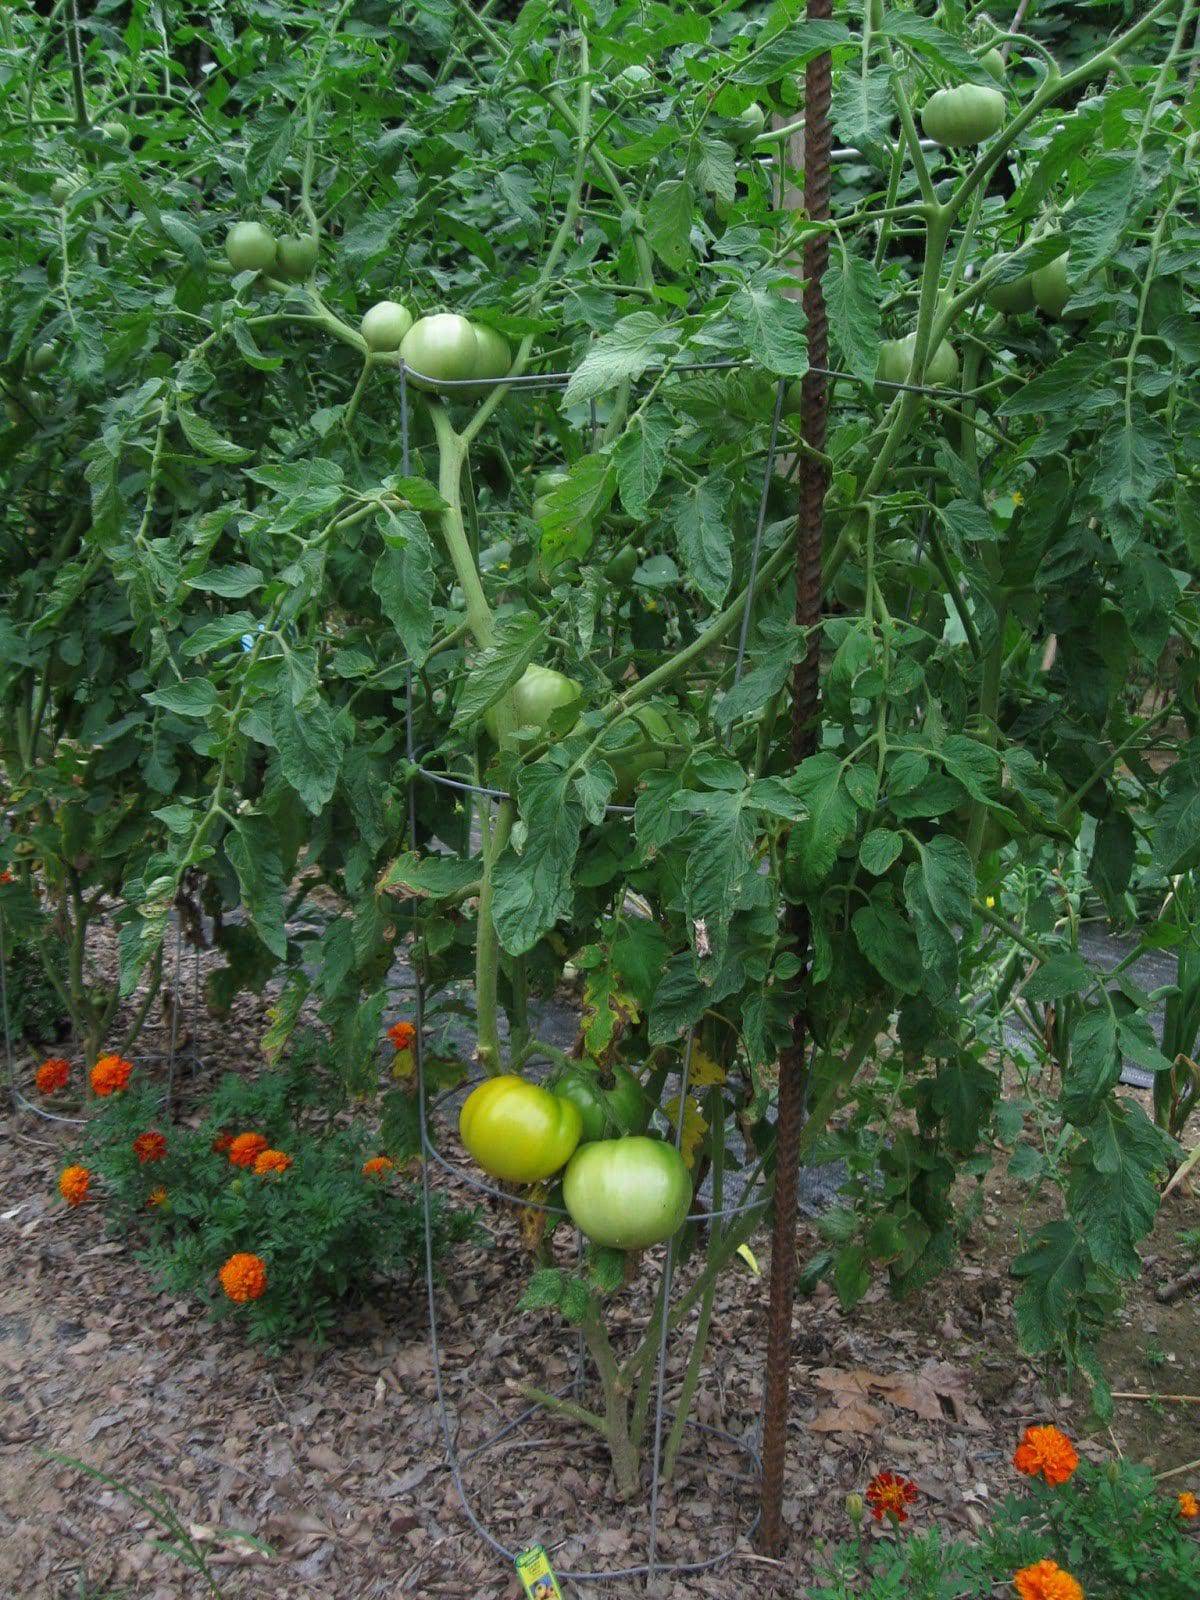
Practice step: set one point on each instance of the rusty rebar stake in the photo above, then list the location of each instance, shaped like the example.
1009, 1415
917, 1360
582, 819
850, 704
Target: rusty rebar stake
818, 79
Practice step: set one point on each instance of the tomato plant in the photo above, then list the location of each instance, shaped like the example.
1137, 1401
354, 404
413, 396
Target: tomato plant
231, 580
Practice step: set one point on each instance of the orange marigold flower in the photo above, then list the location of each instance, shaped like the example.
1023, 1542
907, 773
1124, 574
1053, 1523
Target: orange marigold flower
1046, 1453
246, 1148
52, 1075
73, 1184
889, 1495
156, 1196
6, 876
222, 1143
402, 1035
1189, 1506
150, 1146
110, 1075
1046, 1580
271, 1161
377, 1167
244, 1277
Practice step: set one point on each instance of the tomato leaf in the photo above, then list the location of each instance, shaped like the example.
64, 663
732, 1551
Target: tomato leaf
774, 328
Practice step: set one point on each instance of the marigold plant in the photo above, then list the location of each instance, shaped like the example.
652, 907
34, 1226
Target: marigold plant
1189, 1506
244, 1277
1046, 1580
245, 1149
221, 1144
377, 1167
110, 1075
73, 1184
1045, 1452
269, 1161
156, 1197
150, 1146
402, 1035
53, 1075
889, 1495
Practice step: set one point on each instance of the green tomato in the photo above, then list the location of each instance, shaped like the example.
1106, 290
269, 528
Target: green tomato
1051, 288
748, 124
492, 355
518, 1131
627, 1193
619, 569
250, 247
966, 115
61, 191
114, 132
297, 257
546, 482
895, 361
440, 349
605, 1112
539, 692
650, 729
793, 398
1012, 298
385, 325
992, 62
43, 358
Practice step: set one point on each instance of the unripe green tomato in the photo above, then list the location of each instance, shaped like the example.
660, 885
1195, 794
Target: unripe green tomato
250, 247
61, 191
114, 132
793, 398
538, 693
546, 482
1012, 298
1051, 288
296, 258
895, 361
620, 568
748, 124
518, 1131
627, 1193
605, 1112
492, 357
644, 752
992, 62
385, 325
963, 116
441, 348
43, 358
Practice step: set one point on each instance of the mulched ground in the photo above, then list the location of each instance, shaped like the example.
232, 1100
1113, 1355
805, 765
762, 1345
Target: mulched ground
334, 1458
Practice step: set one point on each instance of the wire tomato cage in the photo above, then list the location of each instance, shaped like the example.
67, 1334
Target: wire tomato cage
653, 1565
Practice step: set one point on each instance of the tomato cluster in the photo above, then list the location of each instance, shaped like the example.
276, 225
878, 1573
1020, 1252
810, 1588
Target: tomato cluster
620, 1187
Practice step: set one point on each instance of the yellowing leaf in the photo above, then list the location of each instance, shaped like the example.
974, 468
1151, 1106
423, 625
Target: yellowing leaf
704, 1070
750, 1259
403, 1065
694, 1126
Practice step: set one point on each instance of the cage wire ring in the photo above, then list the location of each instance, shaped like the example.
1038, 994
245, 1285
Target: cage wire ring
652, 1566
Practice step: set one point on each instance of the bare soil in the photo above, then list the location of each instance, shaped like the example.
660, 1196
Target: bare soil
334, 1457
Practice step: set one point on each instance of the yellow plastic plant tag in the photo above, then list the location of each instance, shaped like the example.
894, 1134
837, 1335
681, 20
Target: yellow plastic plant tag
537, 1575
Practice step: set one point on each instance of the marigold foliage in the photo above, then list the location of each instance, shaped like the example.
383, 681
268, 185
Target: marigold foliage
1045, 1452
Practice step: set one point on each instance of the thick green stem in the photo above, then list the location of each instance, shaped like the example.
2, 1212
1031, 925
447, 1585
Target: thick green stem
622, 1449
451, 455
487, 945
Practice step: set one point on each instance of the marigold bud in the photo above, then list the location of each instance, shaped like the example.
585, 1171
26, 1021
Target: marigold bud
854, 1508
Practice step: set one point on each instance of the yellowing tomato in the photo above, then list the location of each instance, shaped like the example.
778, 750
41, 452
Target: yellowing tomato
518, 1131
